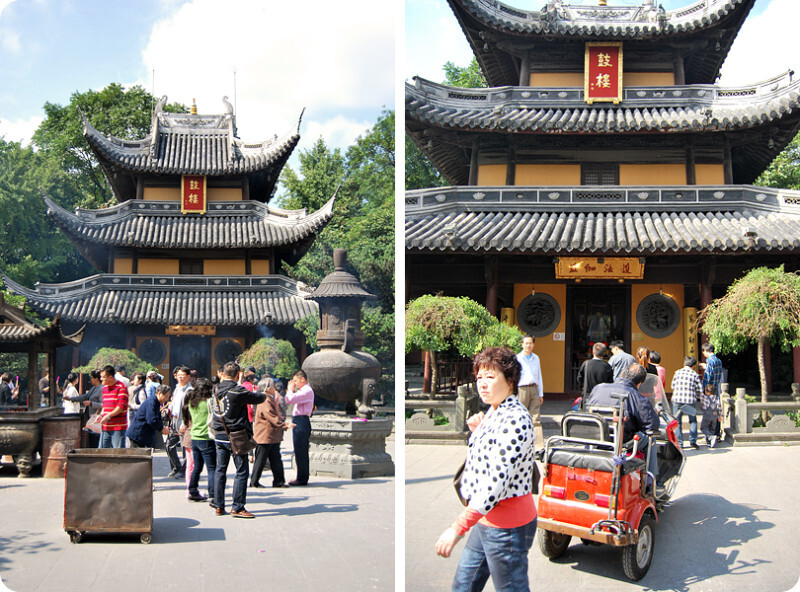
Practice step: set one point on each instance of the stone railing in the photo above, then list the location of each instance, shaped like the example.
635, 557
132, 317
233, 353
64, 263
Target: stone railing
738, 417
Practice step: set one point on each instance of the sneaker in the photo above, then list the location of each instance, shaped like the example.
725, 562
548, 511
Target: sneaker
242, 514
172, 473
197, 498
712, 442
695, 446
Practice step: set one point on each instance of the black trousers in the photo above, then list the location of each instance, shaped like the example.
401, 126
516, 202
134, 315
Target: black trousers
301, 434
268, 455
174, 451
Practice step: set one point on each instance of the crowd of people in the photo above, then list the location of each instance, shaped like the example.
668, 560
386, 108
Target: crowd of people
499, 476
191, 421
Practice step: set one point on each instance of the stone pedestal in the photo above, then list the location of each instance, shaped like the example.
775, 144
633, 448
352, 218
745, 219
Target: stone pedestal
349, 448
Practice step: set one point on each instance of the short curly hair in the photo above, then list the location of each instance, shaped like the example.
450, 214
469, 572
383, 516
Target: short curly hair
502, 359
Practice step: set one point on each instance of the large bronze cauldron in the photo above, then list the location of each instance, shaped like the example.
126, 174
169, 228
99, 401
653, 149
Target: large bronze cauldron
21, 434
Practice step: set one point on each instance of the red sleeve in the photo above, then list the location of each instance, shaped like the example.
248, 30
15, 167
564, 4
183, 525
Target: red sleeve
122, 396
466, 520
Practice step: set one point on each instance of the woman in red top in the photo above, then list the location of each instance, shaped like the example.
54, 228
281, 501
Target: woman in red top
497, 481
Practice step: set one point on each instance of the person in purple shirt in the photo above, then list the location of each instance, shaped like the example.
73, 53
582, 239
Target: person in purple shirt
301, 395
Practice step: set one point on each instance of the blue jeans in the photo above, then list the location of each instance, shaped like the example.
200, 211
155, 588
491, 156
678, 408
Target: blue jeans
242, 465
203, 452
115, 439
678, 409
499, 552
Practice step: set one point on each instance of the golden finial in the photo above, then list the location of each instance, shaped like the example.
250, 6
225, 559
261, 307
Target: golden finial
194, 107
603, 3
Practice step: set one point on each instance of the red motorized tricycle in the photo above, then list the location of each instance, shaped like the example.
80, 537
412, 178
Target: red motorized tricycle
595, 489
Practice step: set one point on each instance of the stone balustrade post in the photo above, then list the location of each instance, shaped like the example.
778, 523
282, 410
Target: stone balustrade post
462, 409
742, 423
728, 408
796, 392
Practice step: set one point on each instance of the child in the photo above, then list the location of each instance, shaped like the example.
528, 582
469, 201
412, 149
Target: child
710, 424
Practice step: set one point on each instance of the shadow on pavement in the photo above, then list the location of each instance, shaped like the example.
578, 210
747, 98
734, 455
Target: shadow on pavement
305, 510
697, 538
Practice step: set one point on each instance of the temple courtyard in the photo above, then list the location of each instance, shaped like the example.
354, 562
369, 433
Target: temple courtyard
333, 535
733, 525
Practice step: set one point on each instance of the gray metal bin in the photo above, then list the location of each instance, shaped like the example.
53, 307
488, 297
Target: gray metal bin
109, 490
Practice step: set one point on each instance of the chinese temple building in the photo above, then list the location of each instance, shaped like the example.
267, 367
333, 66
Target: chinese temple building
191, 258
601, 187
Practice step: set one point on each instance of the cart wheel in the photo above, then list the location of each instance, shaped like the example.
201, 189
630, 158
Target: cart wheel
146, 538
636, 558
553, 544
75, 536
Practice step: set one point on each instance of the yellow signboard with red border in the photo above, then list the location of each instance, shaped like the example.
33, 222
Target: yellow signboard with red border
599, 268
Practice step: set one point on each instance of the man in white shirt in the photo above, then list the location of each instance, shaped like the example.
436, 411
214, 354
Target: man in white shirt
531, 389
174, 448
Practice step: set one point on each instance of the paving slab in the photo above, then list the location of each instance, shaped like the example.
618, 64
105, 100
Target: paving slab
733, 525
333, 535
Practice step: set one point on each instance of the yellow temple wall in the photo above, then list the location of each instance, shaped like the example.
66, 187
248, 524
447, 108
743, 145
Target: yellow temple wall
224, 267
709, 174
224, 194
648, 79
159, 266
162, 193
670, 347
123, 265
260, 267
492, 174
547, 175
652, 174
551, 353
575, 79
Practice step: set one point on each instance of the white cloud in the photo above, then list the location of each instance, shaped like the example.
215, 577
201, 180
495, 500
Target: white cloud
766, 45
287, 56
8, 39
19, 130
338, 131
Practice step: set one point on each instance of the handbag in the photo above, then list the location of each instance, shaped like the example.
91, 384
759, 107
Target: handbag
241, 441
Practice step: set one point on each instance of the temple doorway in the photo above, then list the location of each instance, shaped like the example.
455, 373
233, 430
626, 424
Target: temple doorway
595, 313
193, 352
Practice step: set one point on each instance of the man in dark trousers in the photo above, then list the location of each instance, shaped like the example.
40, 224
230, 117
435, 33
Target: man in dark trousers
595, 371
230, 403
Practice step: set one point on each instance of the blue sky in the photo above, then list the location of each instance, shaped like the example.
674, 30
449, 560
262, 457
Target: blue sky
765, 46
336, 62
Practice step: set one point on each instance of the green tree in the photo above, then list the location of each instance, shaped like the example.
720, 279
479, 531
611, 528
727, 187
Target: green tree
31, 248
420, 173
439, 324
784, 171
762, 307
464, 77
114, 110
363, 223
268, 354
109, 356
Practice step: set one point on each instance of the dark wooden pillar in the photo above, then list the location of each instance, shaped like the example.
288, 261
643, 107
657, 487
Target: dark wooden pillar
680, 75
426, 373
511, 169
473, 164
51, 366
525, 70
246, 189
707, 274
33, 379
796, 364
139, 188
728, 163
490, 271
691, 175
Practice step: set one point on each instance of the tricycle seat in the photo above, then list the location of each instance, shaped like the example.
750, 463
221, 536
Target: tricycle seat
596, 460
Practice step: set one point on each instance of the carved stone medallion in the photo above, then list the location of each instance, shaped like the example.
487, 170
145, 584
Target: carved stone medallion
538, 315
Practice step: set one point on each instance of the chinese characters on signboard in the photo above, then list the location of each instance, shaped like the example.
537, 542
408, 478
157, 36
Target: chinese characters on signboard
603, 72
193, 194
608, 268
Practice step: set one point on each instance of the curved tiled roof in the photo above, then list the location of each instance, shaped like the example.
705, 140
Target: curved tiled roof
17, 329
184, 144
137, 223
168, 300
672, 109
623, 220
489, 24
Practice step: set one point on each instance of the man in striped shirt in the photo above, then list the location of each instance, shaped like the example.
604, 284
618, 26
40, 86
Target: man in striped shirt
114, 417
686, 390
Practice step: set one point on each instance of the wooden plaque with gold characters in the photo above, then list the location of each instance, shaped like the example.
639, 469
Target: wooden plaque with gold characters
602, 76
193, 194
599, 268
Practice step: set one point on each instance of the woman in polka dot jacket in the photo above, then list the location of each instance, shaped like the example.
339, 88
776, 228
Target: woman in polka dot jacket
497, 481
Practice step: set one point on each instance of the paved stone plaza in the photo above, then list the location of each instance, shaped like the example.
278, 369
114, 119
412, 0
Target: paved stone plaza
335, 535
733, 525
